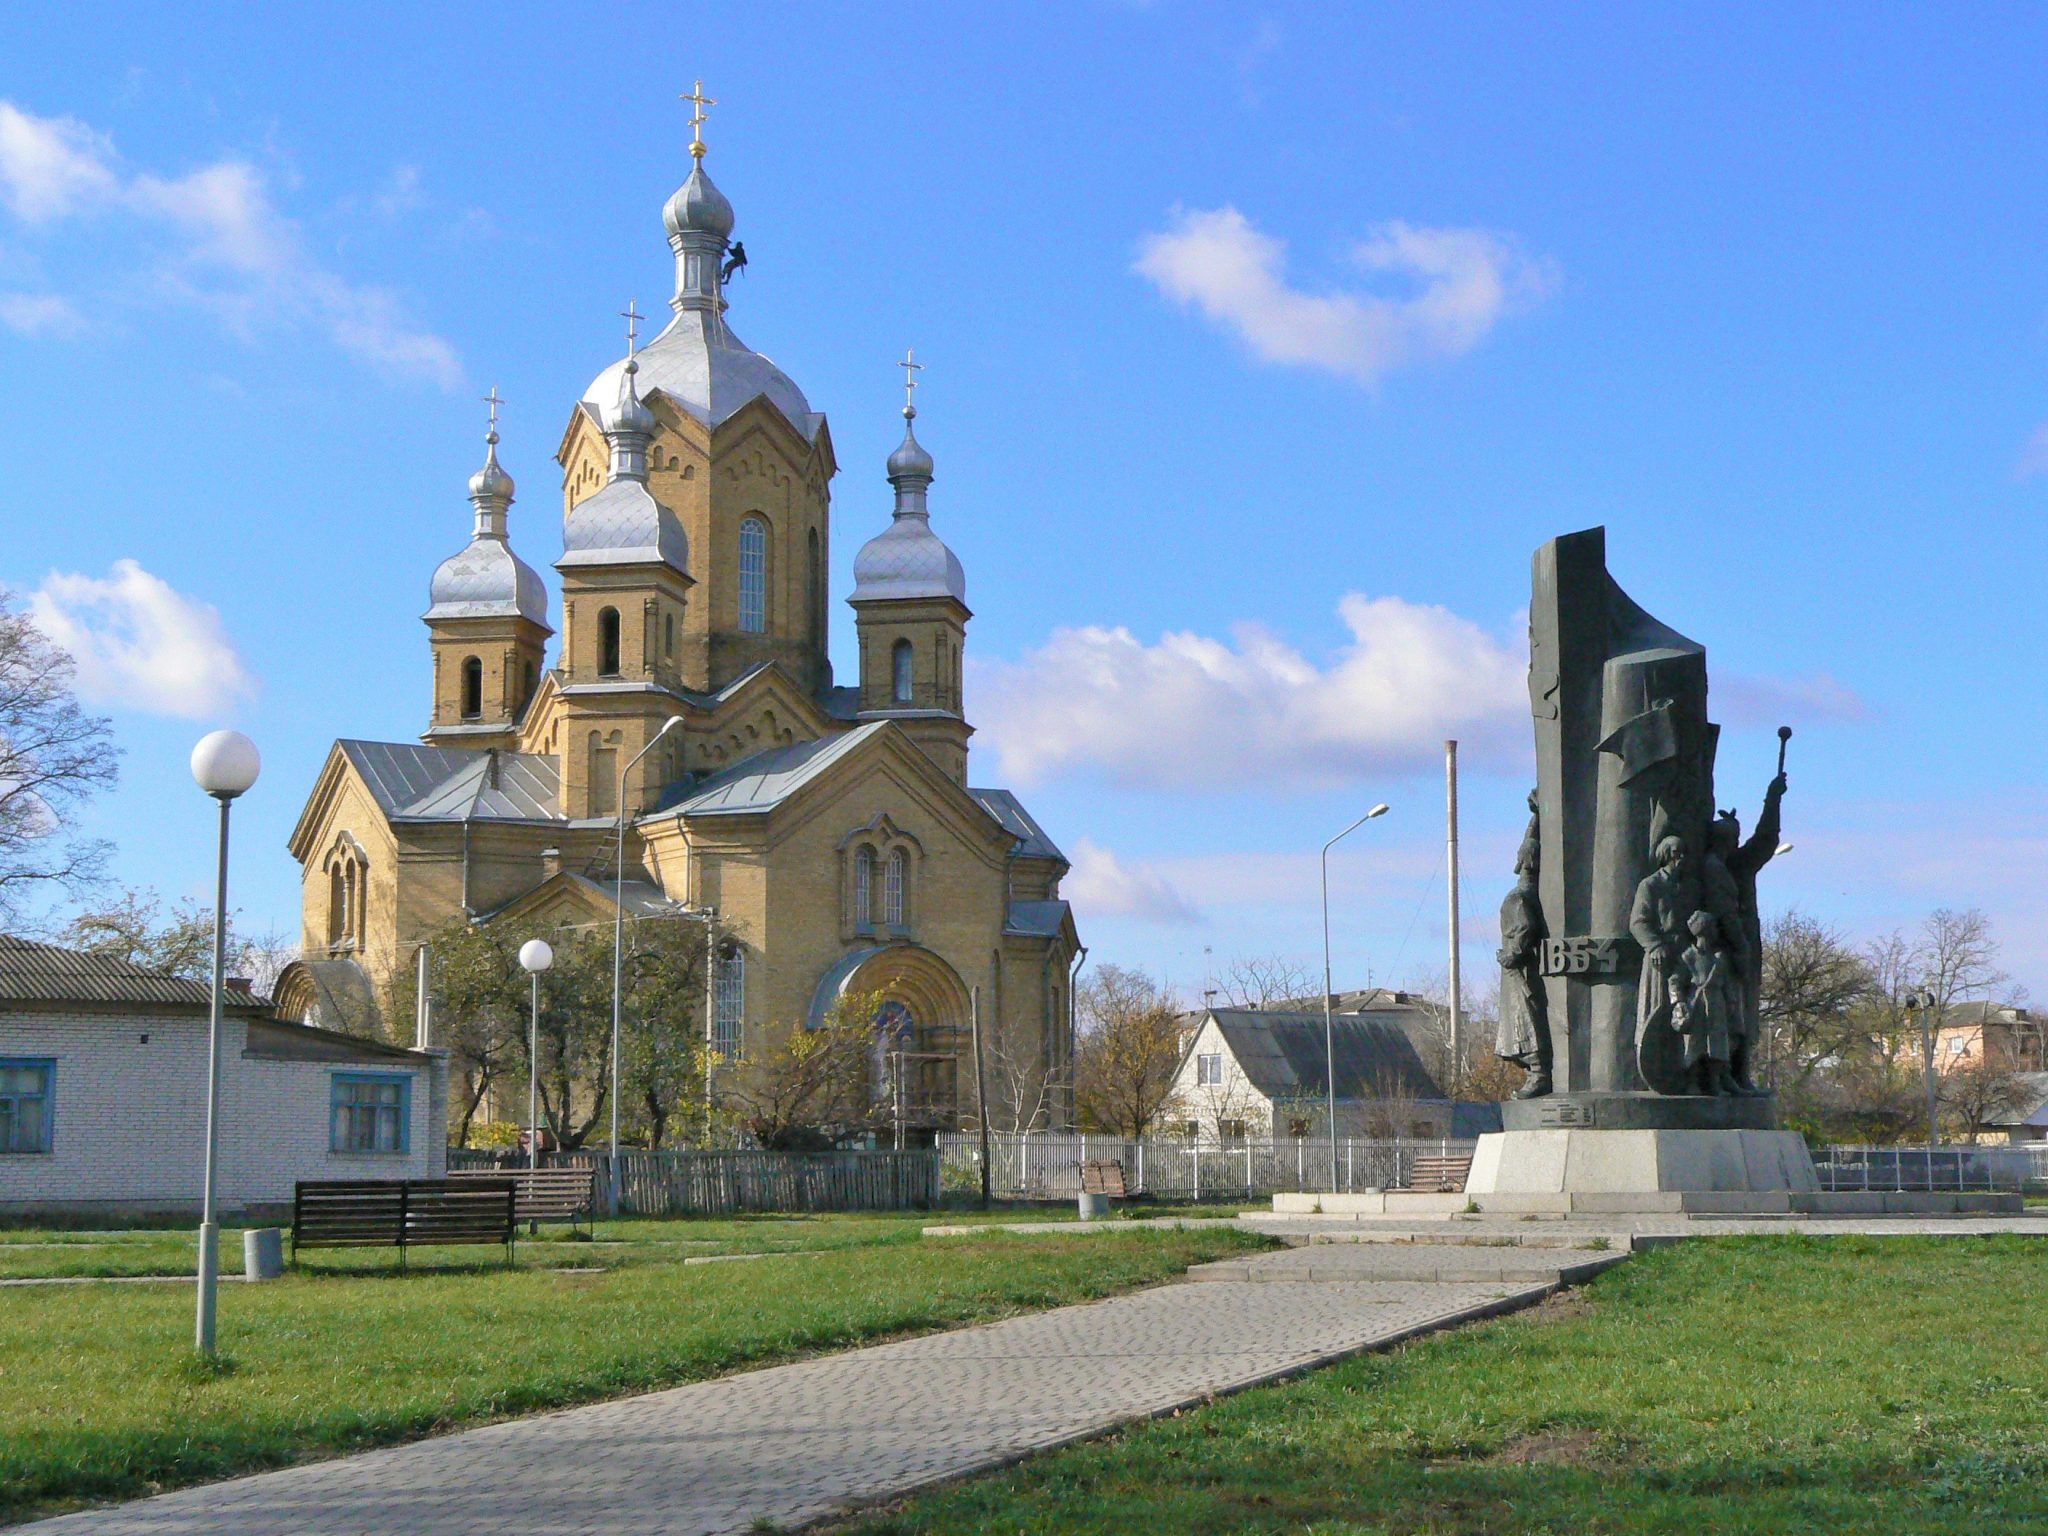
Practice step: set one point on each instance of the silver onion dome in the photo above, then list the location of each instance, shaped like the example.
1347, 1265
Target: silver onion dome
698, 207
621, 523
486, 580
907, 559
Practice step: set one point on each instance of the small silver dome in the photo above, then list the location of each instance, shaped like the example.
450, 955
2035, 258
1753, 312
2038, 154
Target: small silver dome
622, 524
910, 458
906, 559
630, 414
699, 208
491, 482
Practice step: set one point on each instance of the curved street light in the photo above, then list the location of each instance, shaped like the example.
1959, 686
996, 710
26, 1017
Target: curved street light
1329, 1028
224, 764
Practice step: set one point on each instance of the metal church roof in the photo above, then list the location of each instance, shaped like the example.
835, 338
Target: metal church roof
421, 783
1019, 823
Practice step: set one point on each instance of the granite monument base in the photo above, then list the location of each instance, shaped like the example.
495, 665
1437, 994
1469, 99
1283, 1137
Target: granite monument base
1578, 1161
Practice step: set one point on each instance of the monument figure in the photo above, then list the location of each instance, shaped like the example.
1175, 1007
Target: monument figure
1706, 1005
1625, 848
1524, 1036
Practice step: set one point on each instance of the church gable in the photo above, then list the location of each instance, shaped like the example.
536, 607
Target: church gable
914, 792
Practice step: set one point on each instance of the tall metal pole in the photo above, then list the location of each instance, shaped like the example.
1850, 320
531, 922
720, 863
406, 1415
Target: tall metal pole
209, 1224
1926, 1001
533, 1080
710, 1014
980, 1087
1457, 1073
619, 938
1329, 1030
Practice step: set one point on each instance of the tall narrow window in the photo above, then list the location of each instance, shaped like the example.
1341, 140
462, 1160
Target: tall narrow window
528, 678
608, 642
753, 576
472, 688
899, 672
604, 768
863, 886
892, 888
337, 906
729, 1008
814, 593
668, 637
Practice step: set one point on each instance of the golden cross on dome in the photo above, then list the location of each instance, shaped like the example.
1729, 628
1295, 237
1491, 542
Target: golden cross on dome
699, 101
911, 369
493, 402
632, 316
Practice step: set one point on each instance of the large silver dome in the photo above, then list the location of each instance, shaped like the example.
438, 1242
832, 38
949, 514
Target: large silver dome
700, 365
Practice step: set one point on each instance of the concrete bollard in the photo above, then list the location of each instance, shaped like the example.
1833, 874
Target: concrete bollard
1093, 1206
262, 1253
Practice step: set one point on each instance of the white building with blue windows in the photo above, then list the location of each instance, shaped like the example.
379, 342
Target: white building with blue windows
103, 1094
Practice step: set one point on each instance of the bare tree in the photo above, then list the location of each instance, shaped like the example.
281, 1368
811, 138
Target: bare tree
1023, 1089
1128, 1050
53, 758
135, 928
810, 1088
1817, 998
1982, 1093
1268, 981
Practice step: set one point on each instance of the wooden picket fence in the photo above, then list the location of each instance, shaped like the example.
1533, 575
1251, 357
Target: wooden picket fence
726, 1183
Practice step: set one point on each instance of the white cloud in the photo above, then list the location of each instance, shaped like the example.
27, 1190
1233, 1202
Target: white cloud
1459, 283
1102, 884
1194, 712
38, 314
2034, 453
227, 247
141, 643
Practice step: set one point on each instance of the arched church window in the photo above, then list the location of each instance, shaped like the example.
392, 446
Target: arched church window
729, 1008
472, 688
899, 672
337, 906
863, 886
893, 887
608, 642
753, 576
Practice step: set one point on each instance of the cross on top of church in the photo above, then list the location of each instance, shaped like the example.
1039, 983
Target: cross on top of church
493, 401
911, 369
632, 316
699, 101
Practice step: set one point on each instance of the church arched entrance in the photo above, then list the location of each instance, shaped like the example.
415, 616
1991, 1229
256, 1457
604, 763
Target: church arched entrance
921, 1036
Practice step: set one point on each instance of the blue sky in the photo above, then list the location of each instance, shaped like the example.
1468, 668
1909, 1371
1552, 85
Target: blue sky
1264, 345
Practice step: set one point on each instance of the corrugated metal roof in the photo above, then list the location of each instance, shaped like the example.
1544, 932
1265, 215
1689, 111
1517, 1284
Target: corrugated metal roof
422, 783
768, 778
44, 973
1283, 1054
1018, 822
1036, 919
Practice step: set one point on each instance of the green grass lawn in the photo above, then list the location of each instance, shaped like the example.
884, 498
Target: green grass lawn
100, 1399
1767, 1385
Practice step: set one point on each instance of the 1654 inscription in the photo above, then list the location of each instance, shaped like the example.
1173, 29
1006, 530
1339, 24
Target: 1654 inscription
1581, 955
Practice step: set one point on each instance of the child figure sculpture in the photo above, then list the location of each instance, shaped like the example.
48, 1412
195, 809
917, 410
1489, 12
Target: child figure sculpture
1706, 1005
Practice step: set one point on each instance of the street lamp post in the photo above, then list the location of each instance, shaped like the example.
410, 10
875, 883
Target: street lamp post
619, 940
224, 764
535, 955
1329, 1028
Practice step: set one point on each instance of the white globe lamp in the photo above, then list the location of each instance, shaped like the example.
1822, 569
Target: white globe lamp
225, 764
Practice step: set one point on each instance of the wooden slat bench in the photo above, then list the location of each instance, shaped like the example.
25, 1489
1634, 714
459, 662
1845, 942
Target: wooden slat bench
1105, 1177
544, 1194
1440, 1175
403, 1214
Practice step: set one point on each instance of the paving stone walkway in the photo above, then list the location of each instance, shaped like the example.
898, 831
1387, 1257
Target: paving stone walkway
795, 1443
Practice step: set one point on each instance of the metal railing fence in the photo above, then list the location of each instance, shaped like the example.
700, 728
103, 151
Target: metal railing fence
1905, 1168
1047, 1165
718, 1183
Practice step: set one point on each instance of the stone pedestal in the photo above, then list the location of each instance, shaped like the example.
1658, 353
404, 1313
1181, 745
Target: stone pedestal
1578, 1161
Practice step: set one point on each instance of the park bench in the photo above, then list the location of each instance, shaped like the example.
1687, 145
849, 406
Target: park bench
544, 1194
1104, 1177
1440, 1175
402, 1214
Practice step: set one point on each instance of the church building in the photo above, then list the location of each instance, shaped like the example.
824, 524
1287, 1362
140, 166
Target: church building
833, 830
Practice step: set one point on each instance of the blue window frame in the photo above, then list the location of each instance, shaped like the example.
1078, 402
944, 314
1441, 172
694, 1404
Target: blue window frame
372, 1113
28, 1090
753, 576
